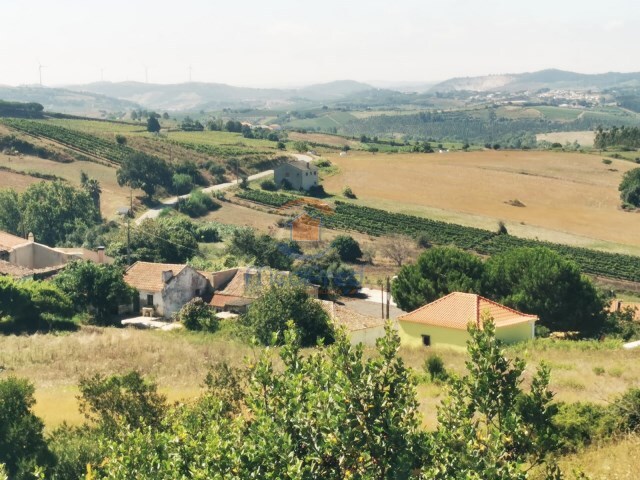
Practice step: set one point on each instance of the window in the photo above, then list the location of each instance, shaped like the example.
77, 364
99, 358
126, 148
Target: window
426, 340
149, 300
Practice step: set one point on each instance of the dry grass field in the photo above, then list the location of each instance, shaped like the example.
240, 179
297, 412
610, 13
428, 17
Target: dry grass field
584, 138
567, 197
113, 196
179, 361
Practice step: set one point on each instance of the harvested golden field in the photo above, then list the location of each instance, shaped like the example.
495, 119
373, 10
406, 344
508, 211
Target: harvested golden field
14, 180
564, 197
113, 196
323, 138
584, 138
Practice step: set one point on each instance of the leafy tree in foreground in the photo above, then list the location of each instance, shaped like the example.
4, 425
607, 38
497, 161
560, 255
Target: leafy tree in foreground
333, 414
489, 427
22, 443
437, 272
542, 282
121, 401
348, 249
145, 172
279, 304
98, 288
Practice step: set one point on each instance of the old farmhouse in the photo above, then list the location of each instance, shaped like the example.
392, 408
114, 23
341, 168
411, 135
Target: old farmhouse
165, 287
444, 321
299, 175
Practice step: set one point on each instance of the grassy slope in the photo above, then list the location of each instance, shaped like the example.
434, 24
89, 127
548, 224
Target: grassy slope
178, 361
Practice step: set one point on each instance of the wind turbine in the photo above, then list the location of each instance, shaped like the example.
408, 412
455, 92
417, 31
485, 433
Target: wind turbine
40, 67
190, 69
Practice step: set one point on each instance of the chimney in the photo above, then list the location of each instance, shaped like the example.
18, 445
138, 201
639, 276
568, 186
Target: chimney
30, 237
167, 275
100, 252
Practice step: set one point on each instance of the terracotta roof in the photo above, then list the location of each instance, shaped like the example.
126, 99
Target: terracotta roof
148, 276
14, 271
350, 319
248, 282
457, 309
221, 300
9, 241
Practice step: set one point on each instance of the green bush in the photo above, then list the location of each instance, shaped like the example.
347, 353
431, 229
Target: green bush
197, 315
208, 233
74, 448
347, 247
121, 400
22, 444
348, 193
434, 366
626, 409
197, 204
181, 183
268, 185
580, 424
277, 305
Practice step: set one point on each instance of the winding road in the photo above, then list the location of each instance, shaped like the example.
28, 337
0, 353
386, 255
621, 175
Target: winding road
172, 201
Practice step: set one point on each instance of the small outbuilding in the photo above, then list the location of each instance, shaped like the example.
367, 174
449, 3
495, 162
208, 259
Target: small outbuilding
444, 322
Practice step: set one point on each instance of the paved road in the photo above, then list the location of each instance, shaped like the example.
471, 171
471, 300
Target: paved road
374, 295
172, 201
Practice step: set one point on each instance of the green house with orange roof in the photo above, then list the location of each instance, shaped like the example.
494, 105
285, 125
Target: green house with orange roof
444, 322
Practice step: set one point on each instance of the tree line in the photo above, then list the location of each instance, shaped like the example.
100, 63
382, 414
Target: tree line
623, 136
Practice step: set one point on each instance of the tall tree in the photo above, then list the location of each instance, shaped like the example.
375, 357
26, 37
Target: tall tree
92, 187
54, 210
630, 187
541, 282
145, 172
153, 125
97, 288
437, 272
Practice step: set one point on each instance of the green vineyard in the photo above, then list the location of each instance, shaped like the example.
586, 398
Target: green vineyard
84, 142
265, 198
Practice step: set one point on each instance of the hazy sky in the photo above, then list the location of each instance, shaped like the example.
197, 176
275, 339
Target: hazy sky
294, 42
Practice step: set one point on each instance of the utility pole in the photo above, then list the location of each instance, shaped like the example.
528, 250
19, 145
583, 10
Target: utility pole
129, 226
381, 298
388, 295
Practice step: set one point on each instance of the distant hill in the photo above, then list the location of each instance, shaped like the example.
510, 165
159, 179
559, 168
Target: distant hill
552, 78
196, 95
66, 101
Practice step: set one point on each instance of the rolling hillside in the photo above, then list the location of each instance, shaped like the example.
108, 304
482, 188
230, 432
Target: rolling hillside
552, 78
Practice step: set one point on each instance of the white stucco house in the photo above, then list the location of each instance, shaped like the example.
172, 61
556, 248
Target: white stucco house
165, 287
299, 174
25, 258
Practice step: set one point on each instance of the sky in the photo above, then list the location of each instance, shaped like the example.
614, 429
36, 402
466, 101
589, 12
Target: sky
277, 43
